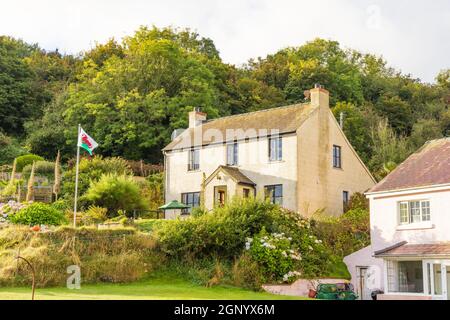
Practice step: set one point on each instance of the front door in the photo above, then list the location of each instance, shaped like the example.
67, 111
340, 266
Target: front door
220, 195
362, 288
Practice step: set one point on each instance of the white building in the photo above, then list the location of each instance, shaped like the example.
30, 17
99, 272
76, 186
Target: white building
409, 256
297, 156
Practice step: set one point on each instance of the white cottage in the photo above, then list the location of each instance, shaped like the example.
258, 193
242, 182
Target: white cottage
297, 156
409, 256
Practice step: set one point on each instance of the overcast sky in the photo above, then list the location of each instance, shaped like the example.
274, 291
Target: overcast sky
412, 35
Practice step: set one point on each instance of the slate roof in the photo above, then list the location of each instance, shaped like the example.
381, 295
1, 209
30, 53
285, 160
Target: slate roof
411, 250
247, 125
429, 166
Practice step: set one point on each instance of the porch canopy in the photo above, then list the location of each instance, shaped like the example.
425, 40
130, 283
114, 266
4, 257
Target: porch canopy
403, 249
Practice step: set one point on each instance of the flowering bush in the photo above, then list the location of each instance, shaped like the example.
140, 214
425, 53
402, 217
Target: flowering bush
275, 253
9, 209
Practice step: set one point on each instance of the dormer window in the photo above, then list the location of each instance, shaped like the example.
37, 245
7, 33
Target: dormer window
414, 211
232, 154
194, 160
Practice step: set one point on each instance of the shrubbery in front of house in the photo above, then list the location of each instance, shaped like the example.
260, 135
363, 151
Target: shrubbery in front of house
38, 214
277, 256
222, 234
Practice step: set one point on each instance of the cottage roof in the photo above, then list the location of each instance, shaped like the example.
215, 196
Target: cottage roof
279, 120
429, 166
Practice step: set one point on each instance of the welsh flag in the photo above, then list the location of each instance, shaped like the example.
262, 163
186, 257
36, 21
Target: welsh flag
86, 142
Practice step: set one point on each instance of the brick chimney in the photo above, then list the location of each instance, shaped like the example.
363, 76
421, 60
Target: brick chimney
196, 118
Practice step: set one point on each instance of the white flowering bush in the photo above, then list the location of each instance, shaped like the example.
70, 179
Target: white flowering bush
276, 255
9, 209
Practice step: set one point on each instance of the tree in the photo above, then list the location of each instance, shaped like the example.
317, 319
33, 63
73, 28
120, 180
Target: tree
355, 128
389, 150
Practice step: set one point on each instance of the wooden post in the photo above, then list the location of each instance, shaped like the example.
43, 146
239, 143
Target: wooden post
33, 274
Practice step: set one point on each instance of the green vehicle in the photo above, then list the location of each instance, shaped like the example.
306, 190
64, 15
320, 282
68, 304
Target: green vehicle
338, 291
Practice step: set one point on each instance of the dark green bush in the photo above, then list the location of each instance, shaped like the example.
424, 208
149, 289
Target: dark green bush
38, 214
27, 159
223, 233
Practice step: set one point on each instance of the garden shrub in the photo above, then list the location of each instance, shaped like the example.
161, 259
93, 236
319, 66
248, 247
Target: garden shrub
91, 170
276, 255
95, 215
219, 233
345, 234
27, 159
38, 214
246, 273
115, 193
62, 205
223, 233
41, 168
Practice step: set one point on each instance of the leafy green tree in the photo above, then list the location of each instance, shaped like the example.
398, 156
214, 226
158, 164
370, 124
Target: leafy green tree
17, 92
389, 150
355, 128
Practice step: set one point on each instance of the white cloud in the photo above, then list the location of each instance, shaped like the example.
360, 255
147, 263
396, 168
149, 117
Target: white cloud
411, 35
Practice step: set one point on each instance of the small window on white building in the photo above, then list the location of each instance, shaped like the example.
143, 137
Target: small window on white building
275, 149
232, 154
414, 211
194, 159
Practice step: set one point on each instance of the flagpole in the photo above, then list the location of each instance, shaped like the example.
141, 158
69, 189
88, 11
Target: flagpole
76, 179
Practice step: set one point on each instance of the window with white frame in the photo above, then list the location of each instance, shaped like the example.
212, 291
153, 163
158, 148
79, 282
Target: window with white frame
232, 154
194, 159
414, 211
275, 149
405, 276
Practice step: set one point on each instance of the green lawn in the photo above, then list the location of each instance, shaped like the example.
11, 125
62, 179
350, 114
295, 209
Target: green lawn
152, 289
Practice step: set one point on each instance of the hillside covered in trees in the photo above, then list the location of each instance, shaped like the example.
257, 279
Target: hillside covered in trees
131, 95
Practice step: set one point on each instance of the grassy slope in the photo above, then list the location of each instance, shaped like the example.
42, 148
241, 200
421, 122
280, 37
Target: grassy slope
152, 289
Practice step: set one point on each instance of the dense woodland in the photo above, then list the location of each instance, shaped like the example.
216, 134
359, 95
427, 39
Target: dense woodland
130, 95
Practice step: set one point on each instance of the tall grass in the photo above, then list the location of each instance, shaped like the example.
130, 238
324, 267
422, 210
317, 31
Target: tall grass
120, 255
